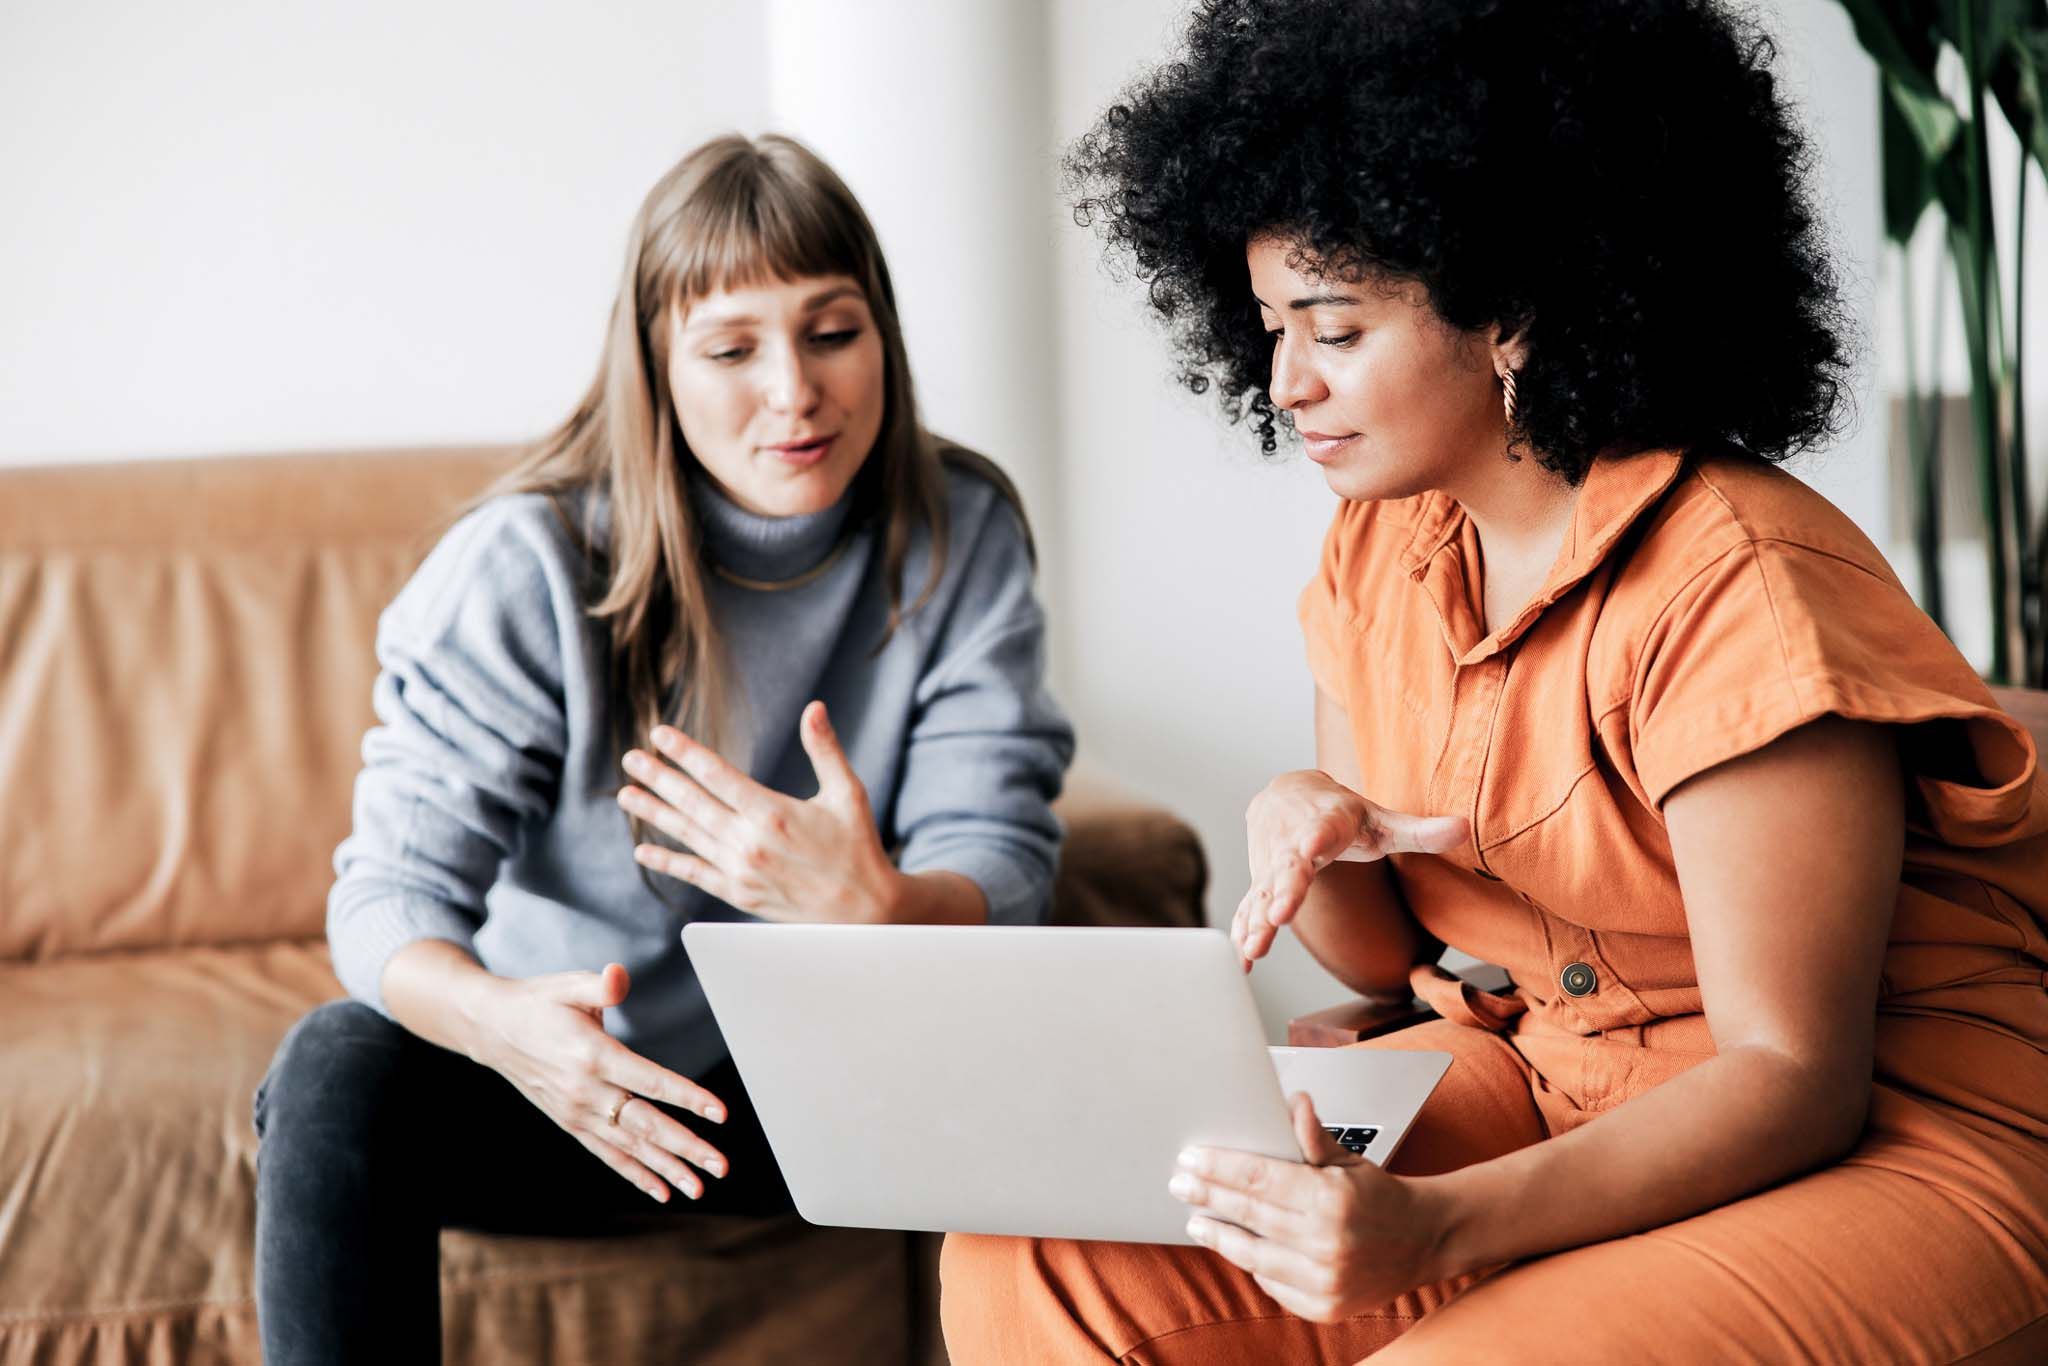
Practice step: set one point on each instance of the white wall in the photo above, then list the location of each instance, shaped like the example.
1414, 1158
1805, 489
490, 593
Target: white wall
954, 168
1836, 87
260, 226
249, 225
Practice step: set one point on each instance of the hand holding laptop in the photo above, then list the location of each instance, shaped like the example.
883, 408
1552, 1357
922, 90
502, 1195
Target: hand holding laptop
1300, 824
1326, 1238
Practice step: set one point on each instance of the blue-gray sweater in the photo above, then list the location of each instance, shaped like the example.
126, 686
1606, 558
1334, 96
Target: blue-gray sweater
486, 812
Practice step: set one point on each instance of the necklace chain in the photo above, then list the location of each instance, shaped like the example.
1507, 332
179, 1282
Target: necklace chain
811, 575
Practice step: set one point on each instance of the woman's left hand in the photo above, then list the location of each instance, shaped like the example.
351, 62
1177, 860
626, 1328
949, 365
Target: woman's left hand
1326, 1238
756, 849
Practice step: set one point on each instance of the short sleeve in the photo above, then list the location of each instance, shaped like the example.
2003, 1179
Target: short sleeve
1773, 634
1321, 612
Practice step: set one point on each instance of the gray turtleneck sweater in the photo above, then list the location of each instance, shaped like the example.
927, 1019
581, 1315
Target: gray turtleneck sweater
485, 813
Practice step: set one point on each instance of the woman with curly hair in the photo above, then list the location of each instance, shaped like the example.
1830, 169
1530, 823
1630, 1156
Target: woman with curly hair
1602, 696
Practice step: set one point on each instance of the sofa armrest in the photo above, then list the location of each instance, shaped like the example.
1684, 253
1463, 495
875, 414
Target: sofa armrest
1125, 861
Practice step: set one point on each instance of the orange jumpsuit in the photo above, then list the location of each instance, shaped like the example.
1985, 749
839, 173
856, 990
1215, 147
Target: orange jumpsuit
1698, 610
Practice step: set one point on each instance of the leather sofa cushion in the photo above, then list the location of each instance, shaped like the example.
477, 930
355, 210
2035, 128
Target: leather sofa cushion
127, 1160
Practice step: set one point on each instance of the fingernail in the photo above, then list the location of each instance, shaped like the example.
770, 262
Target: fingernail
715, 1115
716, 1168
1198, 1231
1184, 1187
1190, 1158
635, 761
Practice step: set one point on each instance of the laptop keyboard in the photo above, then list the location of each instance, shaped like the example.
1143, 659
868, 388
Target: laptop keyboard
1354, 1138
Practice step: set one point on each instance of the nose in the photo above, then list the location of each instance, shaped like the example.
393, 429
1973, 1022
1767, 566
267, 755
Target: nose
789, 387
1295, 380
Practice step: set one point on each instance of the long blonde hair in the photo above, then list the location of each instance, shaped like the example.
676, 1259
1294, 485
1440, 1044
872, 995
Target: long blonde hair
732, 213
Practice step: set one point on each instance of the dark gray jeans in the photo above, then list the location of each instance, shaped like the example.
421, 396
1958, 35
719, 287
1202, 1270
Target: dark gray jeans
374, 1140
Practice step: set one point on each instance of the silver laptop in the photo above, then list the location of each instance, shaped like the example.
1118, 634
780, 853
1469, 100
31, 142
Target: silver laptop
1021, 1080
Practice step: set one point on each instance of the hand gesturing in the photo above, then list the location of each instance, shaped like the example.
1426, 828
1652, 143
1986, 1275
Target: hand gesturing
756, 849
1302, 822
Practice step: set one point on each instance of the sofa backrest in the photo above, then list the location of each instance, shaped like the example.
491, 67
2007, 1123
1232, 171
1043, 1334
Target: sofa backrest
185, 668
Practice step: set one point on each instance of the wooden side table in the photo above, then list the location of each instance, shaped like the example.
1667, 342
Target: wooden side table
1356, 1019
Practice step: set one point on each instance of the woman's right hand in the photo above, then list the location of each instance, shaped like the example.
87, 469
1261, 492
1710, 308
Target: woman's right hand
546, 1036
1302, 822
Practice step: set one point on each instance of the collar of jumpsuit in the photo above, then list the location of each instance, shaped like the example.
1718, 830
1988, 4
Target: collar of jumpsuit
1444, 555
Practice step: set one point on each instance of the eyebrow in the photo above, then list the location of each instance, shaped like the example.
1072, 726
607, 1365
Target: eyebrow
810, 305
1311, 301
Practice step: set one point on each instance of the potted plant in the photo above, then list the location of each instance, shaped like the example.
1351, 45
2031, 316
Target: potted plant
1937, 147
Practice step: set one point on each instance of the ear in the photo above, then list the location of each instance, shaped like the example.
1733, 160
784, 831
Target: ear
1509, 350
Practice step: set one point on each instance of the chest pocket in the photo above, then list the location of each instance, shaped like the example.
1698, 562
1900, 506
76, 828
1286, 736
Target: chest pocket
1399, 707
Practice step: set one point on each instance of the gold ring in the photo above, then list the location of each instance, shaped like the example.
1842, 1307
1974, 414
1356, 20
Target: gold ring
612, 1117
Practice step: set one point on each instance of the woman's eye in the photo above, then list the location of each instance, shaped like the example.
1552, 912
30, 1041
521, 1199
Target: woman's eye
1340, 342
732, 355
833, 340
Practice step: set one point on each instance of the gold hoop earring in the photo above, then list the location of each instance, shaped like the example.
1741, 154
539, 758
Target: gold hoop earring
1507, 395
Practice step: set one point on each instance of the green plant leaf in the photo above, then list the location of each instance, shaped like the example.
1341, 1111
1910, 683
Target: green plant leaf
1933, 122
1997, 21
1908, 167
1951, 178
1917, 122
1900, 36
2018, 79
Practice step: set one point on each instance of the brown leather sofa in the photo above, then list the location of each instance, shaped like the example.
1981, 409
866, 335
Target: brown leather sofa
185, 668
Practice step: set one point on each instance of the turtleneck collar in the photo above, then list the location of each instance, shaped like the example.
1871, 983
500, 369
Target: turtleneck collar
758, 547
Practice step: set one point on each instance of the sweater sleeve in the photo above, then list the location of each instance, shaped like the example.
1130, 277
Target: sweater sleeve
988, 746
466, 751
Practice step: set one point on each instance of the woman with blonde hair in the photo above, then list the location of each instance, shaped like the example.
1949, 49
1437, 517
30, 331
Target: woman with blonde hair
743, 572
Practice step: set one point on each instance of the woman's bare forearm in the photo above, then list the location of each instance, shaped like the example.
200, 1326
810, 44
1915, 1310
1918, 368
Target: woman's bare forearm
1789, 925
1736, 1123
1353, 920
437, 989
1353, 923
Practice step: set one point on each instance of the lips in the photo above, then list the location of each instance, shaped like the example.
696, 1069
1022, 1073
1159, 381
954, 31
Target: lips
1322, 447
802, 453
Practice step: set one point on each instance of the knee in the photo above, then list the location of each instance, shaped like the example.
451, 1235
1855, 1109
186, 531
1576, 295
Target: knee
333, 1067
1058, 1299
980, 1285
970, 1266
966, 1255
